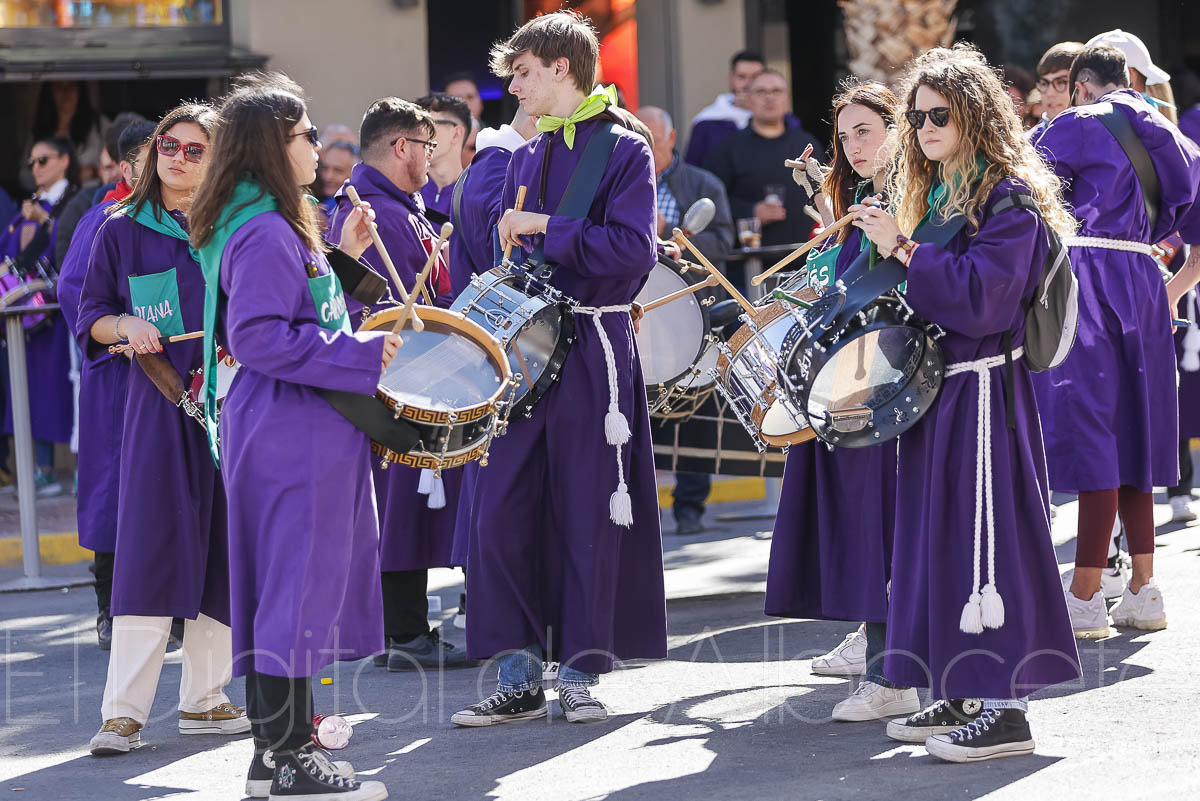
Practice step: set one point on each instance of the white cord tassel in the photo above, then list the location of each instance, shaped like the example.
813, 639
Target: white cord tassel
984, 609
431, 485
616, 426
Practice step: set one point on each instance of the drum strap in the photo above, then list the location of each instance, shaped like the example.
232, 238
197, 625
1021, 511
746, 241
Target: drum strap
373, 418
985, 608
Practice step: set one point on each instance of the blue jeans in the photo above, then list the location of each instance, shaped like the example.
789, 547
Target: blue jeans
522, 670
876, 645
690, 493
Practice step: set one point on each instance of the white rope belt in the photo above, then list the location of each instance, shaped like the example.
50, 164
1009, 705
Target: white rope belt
1108, 244
986, 607
616, 427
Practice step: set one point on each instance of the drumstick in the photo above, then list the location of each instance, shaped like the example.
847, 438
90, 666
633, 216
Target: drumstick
678, 236
177, 338
516, 207
352, 193
407, 308
521, 363
665, 299
800, 251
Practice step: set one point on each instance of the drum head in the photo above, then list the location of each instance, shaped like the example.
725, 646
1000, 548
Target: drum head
867, 371
670, 337
440, 371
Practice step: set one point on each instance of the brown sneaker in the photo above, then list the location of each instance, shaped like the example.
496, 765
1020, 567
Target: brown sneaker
117, 736
223, 719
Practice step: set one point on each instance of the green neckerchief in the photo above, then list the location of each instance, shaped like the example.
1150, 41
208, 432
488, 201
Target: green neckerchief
248, 200
600, 99
159, 220
938, 193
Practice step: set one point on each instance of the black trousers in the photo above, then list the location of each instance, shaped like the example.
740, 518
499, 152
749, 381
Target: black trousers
280, 711
104, 573
405, 606
1184, 487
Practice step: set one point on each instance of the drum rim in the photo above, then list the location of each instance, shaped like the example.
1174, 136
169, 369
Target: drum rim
705, 340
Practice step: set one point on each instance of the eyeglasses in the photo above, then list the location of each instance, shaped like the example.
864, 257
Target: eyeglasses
1059, 84
314, 137
40, 161
939, 116
430, 144
169, 146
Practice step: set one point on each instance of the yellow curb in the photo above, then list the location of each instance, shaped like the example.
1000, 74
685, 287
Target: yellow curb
56, 549
724, 490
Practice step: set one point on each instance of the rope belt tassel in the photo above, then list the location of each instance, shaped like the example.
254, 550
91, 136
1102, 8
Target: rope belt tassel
616, 427
985, 607
431, 485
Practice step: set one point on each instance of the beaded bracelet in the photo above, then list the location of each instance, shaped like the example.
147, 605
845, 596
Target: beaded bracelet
117, 324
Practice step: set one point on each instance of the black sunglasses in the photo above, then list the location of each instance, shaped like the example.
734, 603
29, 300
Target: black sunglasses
939, 116
40, 161
314, 137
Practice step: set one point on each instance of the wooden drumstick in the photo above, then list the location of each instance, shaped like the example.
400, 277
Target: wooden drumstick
408, 308
665, 299
177, 338
683, 241
352, 193
800, 251
516, 207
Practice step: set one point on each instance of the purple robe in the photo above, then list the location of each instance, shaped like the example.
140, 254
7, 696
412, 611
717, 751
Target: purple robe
47, 354
435, 198
974, 288
411, 535
831, 551
547, 564
303, 533
171, 555
102, 384
1189, 123
1109, 411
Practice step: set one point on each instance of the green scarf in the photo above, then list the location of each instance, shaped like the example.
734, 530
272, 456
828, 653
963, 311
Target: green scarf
161, 221
595, 103
248, 201
939, 193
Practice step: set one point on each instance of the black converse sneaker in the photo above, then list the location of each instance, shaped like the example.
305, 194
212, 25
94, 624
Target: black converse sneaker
309, 774
579, 706
262, 772
995, 733
940, 718
503, 707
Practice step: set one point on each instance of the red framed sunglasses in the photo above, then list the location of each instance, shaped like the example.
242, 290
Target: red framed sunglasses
169, 146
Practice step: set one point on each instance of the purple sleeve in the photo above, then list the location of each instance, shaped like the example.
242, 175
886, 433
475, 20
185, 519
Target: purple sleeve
266, 323
74, 267
980, 292
101, 290
623, 246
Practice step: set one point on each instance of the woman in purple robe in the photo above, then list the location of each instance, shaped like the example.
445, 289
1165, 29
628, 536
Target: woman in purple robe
968, 465
303, 534
29, 240
831, 550
143, 285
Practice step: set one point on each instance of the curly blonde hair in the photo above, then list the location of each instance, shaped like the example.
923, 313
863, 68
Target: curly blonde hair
988, 128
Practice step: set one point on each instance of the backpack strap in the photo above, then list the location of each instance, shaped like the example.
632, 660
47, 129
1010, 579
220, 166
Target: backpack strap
456, 199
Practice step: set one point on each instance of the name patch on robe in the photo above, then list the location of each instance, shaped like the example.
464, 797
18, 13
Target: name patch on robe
821, 267
330, 302
155, 299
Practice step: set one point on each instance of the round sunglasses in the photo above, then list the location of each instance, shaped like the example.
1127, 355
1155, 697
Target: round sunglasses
939, 116
169, 146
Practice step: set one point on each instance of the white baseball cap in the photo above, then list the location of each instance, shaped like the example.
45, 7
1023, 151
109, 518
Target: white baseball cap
1136, 54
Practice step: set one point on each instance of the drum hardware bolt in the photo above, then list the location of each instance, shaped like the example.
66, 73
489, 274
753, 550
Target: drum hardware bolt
383, 463
937, 372
396, 414
837, 439
908, 399
876, 435
916, 410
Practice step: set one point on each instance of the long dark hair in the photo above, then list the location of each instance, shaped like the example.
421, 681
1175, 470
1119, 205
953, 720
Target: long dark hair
842, 181
253, 125
148, 188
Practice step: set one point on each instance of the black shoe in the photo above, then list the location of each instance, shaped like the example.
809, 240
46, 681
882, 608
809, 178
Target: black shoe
104, 630
426, 651
262, 772
380, 660
688, 523
503, 707
308, 773
460, 617
995, 733
579, 706
940, 718
175, 638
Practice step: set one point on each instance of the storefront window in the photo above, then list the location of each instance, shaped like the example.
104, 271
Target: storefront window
109, 13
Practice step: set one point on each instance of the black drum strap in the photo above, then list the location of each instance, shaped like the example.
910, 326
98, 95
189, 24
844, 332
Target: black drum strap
373, 418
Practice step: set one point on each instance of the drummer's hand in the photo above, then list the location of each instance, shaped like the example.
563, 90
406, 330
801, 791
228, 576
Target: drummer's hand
516, 224
391, 344
143, 336
670, 249
636, 312
32, 210
879, 226
356, 233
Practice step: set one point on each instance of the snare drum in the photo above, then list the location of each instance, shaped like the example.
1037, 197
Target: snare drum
674, 344
451, 382
227, 368
24, 290
532, 322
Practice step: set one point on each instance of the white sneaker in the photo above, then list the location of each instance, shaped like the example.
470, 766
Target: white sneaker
1181, 509
1089, 619
1142, 610
848, 659
873, 701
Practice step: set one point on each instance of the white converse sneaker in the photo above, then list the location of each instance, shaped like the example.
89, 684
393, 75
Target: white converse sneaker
873, 701
1089, 618
1141, 610
848, 659
1181, 509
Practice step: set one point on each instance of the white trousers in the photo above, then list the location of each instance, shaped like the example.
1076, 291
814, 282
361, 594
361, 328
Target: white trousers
138, 646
